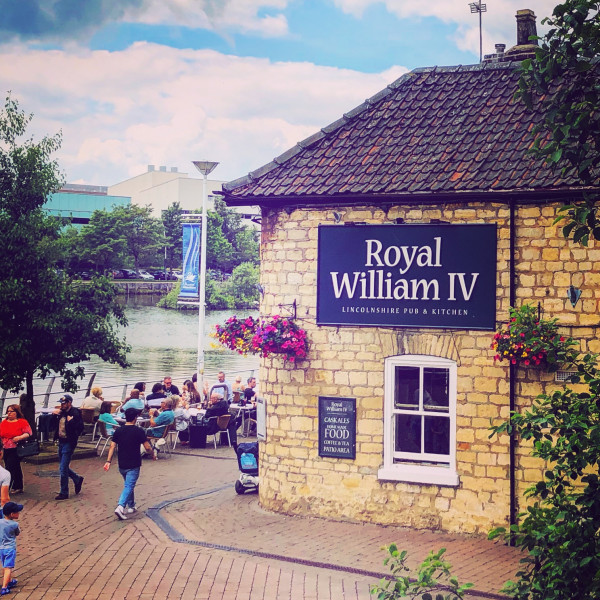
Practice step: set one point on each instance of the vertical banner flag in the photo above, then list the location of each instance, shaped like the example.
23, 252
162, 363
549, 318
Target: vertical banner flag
191, 256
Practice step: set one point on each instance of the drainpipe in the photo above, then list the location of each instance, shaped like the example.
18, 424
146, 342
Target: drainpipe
512, 376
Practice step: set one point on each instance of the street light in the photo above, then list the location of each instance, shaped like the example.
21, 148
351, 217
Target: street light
205, 167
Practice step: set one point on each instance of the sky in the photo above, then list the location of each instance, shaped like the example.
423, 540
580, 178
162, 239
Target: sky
164, 82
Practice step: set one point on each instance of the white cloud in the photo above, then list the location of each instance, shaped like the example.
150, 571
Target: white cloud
150, 104
498, 23
262, 17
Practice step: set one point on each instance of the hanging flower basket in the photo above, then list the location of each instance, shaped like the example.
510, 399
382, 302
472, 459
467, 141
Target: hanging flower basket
236, 334
528, 340
276, 335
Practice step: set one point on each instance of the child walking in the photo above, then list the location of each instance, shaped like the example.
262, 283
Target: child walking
9, 530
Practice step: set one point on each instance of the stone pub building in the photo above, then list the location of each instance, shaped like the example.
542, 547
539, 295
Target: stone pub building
402, 232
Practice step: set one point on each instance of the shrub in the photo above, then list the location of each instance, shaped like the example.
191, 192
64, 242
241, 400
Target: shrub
433, 579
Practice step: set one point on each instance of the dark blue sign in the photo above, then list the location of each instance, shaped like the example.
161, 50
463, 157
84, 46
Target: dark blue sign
441, 276
337, 427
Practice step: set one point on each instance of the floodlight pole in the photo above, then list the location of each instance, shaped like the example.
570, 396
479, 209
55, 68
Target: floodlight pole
205, 167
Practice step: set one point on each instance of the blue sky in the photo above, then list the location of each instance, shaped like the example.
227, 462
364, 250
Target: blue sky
165, 82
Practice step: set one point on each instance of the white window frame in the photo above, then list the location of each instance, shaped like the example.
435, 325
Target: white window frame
437, 474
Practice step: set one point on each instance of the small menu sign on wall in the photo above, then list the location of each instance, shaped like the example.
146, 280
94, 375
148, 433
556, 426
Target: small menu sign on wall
337, 427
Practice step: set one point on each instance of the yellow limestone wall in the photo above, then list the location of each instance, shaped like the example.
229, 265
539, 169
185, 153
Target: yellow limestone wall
349, 362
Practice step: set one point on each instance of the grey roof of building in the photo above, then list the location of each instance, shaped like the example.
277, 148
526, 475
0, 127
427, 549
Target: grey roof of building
434, 131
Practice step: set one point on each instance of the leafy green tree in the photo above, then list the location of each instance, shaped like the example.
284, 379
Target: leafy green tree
243, 238
219, 251
71, 251
49, 324
172, 218
218, 296
243, 285
143, 233
562, 80
247, 246
231, 220
103, 240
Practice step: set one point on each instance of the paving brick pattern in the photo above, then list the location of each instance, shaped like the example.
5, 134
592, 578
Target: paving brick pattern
78, 549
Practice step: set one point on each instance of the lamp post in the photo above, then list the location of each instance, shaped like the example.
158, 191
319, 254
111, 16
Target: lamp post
205, 167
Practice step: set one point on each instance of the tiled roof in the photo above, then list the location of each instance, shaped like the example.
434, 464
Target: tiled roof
435, 131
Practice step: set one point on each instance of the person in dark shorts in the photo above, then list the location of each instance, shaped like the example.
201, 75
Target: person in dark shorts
128, 438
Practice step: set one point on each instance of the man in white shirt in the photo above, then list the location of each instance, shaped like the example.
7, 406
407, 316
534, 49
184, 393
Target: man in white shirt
229, 395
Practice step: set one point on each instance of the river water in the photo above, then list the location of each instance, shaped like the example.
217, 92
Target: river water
163, 342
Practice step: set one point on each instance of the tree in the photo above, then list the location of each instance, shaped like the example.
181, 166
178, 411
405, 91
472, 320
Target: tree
562, 81
243, 239
243, 285
246, 246
219, 251
143, 233
49, 324
172, 218
103, 240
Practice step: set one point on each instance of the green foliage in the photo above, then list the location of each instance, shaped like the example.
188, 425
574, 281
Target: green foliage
121, 236
433, 579
560, 529
48, 322
172, 219
170, 299
103, 241
219, 250
217, 297
562, 80
243, 285
243, 239
247, 246
143, 233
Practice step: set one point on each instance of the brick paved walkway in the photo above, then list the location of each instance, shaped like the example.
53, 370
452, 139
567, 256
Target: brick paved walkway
228, 548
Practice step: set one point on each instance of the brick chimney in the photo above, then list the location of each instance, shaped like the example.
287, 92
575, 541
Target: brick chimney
525, 48
526, 28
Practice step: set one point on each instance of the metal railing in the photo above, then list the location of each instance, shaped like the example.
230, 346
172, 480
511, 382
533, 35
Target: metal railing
123, 387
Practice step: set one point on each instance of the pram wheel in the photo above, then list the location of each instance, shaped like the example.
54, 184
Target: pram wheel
239, 488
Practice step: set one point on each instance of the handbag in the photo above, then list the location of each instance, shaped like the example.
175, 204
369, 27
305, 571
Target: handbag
27, 448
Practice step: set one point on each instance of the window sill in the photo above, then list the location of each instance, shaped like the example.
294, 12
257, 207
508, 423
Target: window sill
428, 475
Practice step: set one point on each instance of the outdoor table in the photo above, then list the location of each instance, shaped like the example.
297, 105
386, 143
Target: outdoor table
43, 422
197, 412
236, 410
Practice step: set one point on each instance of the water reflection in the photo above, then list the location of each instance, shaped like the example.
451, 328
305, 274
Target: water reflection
164, 342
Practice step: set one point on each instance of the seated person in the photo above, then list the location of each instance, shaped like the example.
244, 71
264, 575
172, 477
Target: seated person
140, 386
249, 392
217, 406
134, 402
154, 399
237, 385
250, 397
190, 393
107, 418
94, 400
182, 418
159, 419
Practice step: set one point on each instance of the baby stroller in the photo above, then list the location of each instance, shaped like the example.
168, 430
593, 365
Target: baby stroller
247, 455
